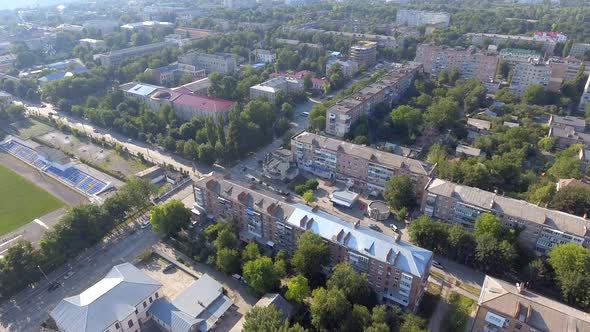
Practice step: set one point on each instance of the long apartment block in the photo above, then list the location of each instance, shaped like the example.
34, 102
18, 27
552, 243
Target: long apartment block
396, 270
388, 89
356, 165
114, 58
468, 62
541, 228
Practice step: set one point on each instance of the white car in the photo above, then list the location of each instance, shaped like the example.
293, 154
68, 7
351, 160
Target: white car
394, 227
69, 275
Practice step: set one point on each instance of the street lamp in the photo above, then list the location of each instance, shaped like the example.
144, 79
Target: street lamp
40, 269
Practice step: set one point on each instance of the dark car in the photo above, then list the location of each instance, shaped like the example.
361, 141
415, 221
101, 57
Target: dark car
54, 285
168, 267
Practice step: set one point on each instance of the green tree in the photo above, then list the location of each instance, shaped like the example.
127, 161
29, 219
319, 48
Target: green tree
263, 319
307, 83
399, 192
311, 255
413, 323
503, 69
308, 196
226, 238
261, 275
297, 289
572, 199
428, 234
207, 154
406, 121
493, 255
547, 143
571, 263
358, 320
170, 217
354, 285
535, 95
228, 260
443, 113
488, 223
250, 252
329, 308
566, 164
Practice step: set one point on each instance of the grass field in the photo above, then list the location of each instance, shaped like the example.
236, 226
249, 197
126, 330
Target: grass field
21, 201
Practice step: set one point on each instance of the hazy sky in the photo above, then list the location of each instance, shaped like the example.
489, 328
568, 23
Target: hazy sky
12, 4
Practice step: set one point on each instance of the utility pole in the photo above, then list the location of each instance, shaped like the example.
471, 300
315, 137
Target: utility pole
40, 269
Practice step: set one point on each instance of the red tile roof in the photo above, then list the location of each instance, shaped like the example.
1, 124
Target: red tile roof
209, 104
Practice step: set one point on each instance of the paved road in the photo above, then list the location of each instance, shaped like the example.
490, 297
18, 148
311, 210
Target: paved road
28, 309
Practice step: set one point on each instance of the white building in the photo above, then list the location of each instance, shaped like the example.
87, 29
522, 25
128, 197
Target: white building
266, 56
585, 100
414, 18
146, 25
524, 75
272, 87
349, 68
118, 302
239, 4
223, 63
91, 43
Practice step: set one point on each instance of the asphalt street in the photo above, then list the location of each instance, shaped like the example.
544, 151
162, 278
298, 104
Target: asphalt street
28, 309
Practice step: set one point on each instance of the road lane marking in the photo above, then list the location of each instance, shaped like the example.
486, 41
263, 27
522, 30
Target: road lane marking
42, 224
11, 240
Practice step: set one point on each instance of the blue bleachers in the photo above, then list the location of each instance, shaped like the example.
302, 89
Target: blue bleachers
75, 177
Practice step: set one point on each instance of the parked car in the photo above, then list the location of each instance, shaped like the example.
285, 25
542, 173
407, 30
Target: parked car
437, 265
69, 275
168, 267
129, 140
145, 224
394, 227
375, 227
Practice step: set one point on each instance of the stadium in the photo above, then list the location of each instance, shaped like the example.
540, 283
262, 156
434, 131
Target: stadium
56, 164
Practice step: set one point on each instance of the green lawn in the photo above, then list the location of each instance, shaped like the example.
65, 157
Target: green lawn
21, 201
459, 310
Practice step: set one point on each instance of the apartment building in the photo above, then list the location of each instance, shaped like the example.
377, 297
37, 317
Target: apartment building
556, 37
579, 50
91, 43
5, 99
468, 62
541, 228
146, 25
266, 56
172, 73
118, 302
524, 75
271, 88
114, 58
355, 165
518, 55
348, 68
507, 307
415, 18
585, 99
396, 270
568, 130
388, 89
224, 63
562, 69
364, 53
479, 39
239, 4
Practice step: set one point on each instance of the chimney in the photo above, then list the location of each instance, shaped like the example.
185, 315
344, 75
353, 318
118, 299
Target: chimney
357, 224
519, 287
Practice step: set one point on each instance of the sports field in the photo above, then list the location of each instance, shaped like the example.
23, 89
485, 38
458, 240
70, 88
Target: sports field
21, 201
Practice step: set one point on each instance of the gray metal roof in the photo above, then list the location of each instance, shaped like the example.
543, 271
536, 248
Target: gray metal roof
111, 299
168, 314
363, 240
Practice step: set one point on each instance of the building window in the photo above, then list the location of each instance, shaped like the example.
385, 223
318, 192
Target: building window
144, 304
130, 323
117, 326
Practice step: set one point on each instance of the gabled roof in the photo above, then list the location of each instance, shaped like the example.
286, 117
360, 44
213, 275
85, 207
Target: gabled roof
363, 240
540, 312
111, 299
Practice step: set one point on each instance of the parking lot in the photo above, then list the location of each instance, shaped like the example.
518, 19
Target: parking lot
174, 281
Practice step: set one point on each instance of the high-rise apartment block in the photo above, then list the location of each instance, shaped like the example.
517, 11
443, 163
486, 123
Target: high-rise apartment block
540, 228
364, 53
396, 270
579, 50
388, 89
356, 165
518, 55
414, 18
550, 74
224, 63
468, 62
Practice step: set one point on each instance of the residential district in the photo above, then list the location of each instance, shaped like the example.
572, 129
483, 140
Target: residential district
295, 165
